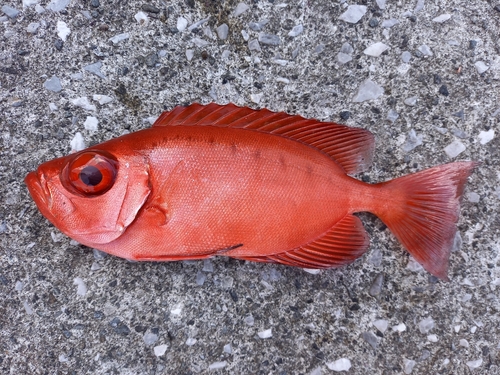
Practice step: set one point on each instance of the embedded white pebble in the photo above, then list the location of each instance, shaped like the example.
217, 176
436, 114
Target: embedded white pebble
255, 98
28, 3
473, 329
286, 81
78, 76
406, 57
189, 54
399, 328
84, 103
81, 286
160, 350
62, 30
246, 36
411, 101
473, 197
467, 297
249, 320
316, 371
33, 27
319, 48
485, 137
280, 62
150, 338
464, 343
240, 9
368, 90
343, 58
392, 115
342, 364
77, 143
177, 309
207, 31
353, 13
39, 9
387, 24
432, 338
198, 23
381, 325
91, 123
454, 149
419, 6
312, 271
217, 365
413, 140
228, 349
191, 341
58, 5
200, 278
426, 325
200, 42
141, 18
53, 84
27, 308
413, 265
296, 31
481, 67
208, 266
376, 49
56, 237
253, 45
120, 37
222, 31
474, 364
265, 334
381, 4
426, 51
95, 266
409, 364
442, 18
102, 99
182, 23
347, 48
19, 286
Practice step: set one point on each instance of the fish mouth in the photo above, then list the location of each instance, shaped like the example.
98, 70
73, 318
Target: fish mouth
37, 186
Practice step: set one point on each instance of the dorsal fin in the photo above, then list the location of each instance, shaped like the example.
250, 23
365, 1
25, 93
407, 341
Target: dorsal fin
352, 148
342, 244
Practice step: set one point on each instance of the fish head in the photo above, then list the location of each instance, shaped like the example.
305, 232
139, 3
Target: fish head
91, 196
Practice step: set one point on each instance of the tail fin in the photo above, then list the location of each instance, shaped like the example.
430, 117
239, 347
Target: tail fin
423, 212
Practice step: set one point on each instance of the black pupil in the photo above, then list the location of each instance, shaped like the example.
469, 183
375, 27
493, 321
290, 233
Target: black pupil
91, 176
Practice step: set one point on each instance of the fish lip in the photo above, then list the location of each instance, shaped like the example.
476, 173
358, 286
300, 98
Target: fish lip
37, 186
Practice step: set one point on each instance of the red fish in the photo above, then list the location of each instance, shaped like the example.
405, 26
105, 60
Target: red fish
248, 184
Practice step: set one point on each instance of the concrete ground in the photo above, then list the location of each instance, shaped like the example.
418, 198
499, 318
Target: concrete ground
433, 96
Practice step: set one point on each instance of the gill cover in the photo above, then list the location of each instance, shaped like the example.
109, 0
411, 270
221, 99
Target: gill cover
91, 196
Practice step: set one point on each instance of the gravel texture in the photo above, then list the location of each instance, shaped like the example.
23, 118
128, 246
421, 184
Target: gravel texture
68, 310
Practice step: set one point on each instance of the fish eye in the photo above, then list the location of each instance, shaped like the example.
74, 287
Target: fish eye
92, 173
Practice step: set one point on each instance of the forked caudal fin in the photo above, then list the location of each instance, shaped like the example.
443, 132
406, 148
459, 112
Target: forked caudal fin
423, 211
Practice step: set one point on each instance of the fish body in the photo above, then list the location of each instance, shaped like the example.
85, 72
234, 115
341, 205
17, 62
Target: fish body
256, 185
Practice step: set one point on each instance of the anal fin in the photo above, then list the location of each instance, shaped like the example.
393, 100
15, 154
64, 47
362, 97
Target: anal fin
340, 245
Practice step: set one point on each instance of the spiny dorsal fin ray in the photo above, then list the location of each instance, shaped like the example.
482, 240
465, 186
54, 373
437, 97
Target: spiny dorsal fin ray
352, 148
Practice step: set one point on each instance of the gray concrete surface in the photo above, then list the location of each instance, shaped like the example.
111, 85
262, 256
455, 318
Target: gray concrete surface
200, 317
